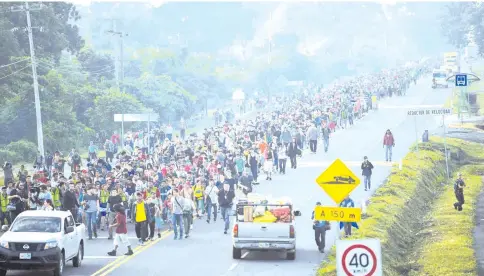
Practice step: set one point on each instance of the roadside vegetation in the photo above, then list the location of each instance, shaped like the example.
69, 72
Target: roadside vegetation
399, 213
447, 234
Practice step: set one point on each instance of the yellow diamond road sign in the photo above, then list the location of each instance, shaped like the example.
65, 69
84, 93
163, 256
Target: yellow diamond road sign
338, 181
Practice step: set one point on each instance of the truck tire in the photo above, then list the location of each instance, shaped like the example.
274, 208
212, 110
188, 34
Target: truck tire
3, 272
291, 256
59, 268
77, 260
236, 253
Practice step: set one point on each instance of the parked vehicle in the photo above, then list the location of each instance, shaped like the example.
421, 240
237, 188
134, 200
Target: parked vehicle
42, 240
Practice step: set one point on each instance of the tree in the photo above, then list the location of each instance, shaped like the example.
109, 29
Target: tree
112, 102
58, 33
99, 66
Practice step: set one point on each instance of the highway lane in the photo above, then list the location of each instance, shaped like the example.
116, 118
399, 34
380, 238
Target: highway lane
208, 250
95, 255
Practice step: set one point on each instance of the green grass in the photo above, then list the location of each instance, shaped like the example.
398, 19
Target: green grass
450, 232
419, 178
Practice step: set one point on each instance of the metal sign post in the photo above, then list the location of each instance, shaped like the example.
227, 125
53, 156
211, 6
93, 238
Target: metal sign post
144, 117
122, 130
445, 149
429, 112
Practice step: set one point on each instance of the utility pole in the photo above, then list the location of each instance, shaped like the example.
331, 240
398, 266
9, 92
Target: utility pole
269, 61
120, 70
38, 113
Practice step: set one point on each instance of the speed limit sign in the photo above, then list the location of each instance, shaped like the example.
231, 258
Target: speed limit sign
359, 257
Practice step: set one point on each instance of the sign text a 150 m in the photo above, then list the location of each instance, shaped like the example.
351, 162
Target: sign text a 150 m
343, 214
430, 111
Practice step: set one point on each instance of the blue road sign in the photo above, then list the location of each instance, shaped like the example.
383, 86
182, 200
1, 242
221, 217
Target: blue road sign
461, 80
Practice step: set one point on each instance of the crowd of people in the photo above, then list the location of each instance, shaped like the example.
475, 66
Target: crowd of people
168, 178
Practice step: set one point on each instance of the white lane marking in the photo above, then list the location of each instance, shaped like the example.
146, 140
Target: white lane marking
101, 257
234, 265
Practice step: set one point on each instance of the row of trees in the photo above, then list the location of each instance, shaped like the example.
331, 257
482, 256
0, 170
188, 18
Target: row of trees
77, 84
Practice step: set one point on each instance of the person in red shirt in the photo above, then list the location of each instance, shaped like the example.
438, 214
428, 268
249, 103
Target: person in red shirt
388, 144
115, 138
121, 235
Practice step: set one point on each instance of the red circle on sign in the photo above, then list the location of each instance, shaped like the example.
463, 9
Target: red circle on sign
347, 251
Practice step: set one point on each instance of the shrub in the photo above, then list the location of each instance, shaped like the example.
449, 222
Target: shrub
25, 151
8, 156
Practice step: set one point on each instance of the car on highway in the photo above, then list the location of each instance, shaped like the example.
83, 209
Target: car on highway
42, 240
439, 78
264, 226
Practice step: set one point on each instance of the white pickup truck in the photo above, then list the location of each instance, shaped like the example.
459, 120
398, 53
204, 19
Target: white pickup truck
42, 240
255, 234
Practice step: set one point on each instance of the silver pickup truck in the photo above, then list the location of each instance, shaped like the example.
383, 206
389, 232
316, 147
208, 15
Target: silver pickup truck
251, 234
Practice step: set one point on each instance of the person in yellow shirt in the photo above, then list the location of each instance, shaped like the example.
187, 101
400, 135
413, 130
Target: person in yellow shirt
198, 190
141, 216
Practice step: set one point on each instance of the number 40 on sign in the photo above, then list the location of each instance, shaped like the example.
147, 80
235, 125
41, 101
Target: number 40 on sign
359, 258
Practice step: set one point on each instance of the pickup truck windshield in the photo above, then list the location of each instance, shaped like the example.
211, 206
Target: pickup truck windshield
37, 224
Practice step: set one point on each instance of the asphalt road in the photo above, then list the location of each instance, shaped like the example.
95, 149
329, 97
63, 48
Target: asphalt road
208, 250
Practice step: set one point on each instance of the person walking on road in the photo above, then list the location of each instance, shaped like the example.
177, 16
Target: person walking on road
366, 170
177, 209
121, 236
91, 208
292, 152
312, 135
113, 199
320, 227
70, 202
282, 152
141, 216
225, 198
347, 203
188, 211
325, 131
211, 193
459, 185
388, 144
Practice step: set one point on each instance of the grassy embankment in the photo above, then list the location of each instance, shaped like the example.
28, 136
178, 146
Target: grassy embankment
399, 214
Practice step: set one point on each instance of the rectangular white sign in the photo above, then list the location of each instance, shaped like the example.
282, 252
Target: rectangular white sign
429, 111
136, 117
359, 257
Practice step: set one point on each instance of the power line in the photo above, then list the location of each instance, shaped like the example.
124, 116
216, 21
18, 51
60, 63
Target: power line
6, 65
73, 66
13, 73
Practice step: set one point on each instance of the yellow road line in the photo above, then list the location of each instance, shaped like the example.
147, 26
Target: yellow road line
125, 260
138, 249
